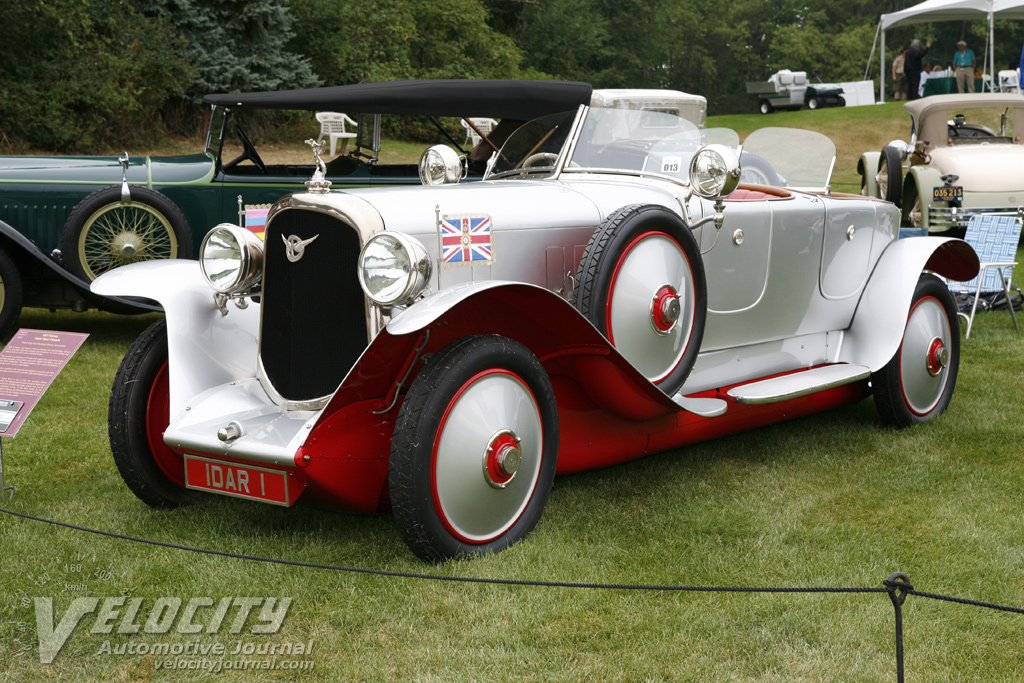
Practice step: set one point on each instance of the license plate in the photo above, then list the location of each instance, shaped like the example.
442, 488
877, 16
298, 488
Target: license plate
948, 193
253, 483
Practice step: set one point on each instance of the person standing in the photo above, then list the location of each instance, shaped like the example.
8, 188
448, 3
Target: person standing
898, 76
963, 62
912, 67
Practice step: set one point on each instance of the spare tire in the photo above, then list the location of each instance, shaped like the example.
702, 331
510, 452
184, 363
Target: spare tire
104, 232
641, 283
889, 179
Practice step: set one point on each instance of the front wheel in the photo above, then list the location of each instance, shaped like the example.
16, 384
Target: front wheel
474, 450
104, 232
814, 103
913, 209
917, 384
139, 413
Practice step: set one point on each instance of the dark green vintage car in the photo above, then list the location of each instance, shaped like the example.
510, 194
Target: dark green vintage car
66, 220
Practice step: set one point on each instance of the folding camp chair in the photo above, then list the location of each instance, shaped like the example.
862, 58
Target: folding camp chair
994, 238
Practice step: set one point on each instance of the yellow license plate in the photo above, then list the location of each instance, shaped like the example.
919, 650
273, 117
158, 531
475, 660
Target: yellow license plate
948, 193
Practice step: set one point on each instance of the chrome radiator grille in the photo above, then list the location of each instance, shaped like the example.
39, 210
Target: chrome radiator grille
314, 317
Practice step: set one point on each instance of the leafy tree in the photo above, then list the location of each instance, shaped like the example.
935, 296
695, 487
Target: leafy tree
84, 75
358, 41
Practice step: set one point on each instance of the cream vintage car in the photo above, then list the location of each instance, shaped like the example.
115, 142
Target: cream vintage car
964, 157
610, 289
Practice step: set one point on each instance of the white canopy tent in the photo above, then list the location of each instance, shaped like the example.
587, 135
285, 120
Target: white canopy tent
950, 10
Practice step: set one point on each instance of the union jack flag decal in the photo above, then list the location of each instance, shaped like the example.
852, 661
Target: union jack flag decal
466, 238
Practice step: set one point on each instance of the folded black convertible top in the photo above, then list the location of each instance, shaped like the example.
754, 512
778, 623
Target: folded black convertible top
500, 99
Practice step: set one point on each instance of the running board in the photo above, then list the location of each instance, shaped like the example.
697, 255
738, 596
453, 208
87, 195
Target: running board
799, 383
705, 407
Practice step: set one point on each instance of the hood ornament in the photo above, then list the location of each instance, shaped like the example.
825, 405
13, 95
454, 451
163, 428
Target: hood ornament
318, 184
295, 246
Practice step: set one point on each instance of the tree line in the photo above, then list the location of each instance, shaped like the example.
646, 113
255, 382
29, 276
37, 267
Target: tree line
81, 76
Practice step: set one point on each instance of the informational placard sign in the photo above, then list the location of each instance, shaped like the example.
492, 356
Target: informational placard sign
28, 365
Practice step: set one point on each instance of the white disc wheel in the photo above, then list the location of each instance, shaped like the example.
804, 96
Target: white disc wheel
487, 456
650, 310
474, 450
917, 384
641, 283
924, 356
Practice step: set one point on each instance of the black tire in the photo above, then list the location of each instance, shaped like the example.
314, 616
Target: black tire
154, 473
814, 103
673, 259
756, 169
918, 383
447, 495
10, 295
890, 171
840, 101
765, 107
103, 233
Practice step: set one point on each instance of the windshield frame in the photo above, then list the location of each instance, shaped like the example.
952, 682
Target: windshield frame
561, 165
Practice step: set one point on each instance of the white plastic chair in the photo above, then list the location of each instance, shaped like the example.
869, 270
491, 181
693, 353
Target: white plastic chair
994, 238
332, 125
1009, 80
484, 125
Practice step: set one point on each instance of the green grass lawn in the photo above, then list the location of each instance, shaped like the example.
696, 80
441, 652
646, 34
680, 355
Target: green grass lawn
831, 500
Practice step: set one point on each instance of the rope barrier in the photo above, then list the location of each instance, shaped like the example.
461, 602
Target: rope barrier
897, 586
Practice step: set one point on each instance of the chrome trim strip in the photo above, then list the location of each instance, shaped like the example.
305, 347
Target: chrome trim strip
799, 383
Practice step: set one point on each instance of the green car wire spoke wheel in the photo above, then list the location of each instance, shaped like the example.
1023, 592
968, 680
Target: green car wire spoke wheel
104, 232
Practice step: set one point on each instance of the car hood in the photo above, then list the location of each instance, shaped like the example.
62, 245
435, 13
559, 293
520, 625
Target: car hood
983, 168
142, 170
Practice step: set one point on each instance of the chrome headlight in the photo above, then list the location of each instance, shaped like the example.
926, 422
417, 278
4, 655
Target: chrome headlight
714, 171
393, 268
440, 165
231, 258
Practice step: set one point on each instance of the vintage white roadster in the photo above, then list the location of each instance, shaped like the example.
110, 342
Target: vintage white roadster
609, 290
964, 158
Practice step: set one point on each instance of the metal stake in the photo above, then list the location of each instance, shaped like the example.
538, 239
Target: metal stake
3, 487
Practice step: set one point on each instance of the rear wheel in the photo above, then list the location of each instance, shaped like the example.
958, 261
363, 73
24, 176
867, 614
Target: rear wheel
766, 107
139, 413
474, 449
10, 295
814, 103
641, 283
104, 232
889, 178
917, 384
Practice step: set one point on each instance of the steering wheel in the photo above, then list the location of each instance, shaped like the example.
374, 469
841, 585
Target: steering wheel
539, 156
248, 152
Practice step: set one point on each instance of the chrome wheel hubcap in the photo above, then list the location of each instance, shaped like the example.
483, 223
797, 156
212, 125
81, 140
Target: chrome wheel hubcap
493, 416
925, 356
651, 305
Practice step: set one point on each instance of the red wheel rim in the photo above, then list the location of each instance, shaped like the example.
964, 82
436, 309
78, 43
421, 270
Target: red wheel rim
158, 417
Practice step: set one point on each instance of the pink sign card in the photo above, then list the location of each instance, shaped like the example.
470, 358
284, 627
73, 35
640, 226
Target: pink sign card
28, 365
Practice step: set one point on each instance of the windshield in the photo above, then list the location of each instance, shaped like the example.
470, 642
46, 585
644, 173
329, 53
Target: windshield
790, 157
647, 141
